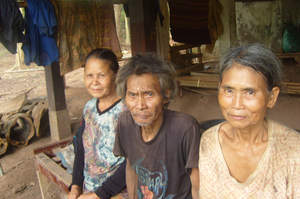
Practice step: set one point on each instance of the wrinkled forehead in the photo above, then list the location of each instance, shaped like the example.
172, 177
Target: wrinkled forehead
143, 82
241, 67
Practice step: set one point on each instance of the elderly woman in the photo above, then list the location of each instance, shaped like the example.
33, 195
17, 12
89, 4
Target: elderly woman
248, 155
97, 173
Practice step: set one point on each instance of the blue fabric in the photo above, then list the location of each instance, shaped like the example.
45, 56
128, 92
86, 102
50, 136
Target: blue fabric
40, 28
43, 16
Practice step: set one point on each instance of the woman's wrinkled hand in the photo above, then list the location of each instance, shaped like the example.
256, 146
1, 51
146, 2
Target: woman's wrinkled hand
75, 192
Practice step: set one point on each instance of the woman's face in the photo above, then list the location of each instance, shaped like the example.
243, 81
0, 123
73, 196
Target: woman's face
99, 79
243, 97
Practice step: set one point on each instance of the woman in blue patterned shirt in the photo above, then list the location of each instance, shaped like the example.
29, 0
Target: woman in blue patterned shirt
95, 163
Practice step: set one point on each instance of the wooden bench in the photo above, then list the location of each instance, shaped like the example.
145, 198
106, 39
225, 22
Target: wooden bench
296, 56
48, 171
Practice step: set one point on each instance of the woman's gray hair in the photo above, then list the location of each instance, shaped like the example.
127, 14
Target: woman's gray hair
258, 57
148, 63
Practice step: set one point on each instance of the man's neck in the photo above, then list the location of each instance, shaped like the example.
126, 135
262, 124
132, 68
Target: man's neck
149, 132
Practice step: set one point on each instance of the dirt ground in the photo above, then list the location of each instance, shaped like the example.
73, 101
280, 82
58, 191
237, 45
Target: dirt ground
20, 179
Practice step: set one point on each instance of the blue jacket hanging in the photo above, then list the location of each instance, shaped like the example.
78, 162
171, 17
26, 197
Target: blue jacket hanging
41, 47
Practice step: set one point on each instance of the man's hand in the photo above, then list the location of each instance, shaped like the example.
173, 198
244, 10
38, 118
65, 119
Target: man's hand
75, 192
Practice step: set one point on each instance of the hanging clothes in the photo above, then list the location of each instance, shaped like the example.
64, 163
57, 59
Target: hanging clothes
82, 27
11, 25
189, 21
41, 23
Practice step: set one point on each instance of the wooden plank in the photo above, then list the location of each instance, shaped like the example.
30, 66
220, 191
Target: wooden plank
183, 47
142, 26
232, 22
187, 70
59, 118
43, 182
209, 70
190, 56
47, 149
253, 0
55, 173
286, 56
203, 74
119, 1
199, 86
198, 79
55, 87
291, 83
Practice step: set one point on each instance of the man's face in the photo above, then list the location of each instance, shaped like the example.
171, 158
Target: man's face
144, 99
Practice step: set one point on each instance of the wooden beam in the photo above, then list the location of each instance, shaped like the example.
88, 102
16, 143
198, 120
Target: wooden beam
183, 47
119, 1
142, 26
253, 0
55, 88
186, 70
59, 118
232, 22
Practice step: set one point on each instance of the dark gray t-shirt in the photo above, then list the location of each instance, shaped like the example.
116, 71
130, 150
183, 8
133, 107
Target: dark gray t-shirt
163, 164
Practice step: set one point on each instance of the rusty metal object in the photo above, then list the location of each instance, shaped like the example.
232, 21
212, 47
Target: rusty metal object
3, 145
40, 118
18, 129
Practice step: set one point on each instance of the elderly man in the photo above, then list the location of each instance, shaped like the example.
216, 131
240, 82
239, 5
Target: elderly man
161, 146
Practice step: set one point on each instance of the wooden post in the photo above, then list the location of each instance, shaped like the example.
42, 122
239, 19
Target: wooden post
228, 16
232, 23
59, 118
142, 26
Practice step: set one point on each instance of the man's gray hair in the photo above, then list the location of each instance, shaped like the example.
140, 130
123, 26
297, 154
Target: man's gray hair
148, 63
258, 57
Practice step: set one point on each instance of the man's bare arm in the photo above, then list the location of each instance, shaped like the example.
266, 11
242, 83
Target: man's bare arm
195, 182
131, 181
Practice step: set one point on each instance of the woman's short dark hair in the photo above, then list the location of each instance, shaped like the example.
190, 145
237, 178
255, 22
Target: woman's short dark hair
148, 63
106, 55
258, 57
